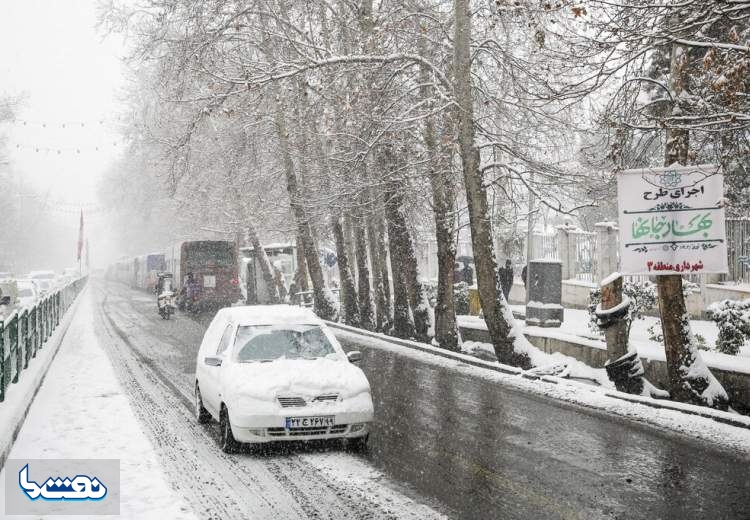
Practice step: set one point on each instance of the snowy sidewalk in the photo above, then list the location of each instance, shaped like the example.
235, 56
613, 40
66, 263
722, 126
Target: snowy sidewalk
81, 412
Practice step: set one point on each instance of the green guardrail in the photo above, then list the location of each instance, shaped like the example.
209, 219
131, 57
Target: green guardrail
24, 331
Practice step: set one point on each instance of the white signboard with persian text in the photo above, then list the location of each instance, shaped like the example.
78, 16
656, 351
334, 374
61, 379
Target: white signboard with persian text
672, 220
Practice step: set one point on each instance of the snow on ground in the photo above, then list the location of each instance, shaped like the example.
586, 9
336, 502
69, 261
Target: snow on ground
556, 363
576, 327
730, 437
81, 412
360, 478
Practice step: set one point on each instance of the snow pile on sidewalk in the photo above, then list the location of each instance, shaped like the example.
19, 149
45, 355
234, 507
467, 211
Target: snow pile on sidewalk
556, 363
81, 412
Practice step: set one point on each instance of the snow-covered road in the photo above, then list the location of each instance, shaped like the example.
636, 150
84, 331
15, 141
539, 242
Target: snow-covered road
154, 361
448, 440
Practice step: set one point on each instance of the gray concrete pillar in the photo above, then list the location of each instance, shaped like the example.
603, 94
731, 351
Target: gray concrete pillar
566, 251
606, 257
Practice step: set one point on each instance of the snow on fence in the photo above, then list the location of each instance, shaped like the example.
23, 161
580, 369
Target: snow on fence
738, 249
24, 331
581, 252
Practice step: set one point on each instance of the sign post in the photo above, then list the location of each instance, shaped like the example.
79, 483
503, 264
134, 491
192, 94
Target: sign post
672, 224
672, 220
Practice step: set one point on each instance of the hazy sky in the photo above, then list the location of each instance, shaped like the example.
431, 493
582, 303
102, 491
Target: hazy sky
52, 52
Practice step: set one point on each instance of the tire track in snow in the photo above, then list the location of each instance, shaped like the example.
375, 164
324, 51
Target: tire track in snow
293, 478
197, 468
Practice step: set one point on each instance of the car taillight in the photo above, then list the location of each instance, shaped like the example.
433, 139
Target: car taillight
235, 281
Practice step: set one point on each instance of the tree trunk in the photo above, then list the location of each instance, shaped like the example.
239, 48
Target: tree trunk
366, 311
385, 277
496, 315
616, 334
265, 265
403, 320
324, 305
446, 329
348, 295
349, 242
376, 260
300, 276
689, 377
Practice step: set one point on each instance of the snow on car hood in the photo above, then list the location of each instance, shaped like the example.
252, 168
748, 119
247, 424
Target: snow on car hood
295, 377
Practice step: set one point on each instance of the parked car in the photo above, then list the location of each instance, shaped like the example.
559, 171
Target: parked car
276, 373
45, 280
28, 292
8, 296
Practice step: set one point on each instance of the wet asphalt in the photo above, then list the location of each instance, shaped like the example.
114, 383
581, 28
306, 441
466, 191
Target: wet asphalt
483, 450
489, 451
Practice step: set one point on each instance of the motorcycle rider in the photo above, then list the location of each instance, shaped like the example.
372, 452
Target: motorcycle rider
192, 289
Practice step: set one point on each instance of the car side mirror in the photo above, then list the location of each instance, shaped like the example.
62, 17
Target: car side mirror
355, 356
213, 361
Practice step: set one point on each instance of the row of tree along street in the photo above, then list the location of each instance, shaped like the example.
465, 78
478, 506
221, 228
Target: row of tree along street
359, 124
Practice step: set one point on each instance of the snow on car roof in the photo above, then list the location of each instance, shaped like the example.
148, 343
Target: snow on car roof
270, 315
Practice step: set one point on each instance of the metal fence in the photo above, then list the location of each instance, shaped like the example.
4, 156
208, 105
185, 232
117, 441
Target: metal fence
24, 331
738, 249
584, 245
585, 254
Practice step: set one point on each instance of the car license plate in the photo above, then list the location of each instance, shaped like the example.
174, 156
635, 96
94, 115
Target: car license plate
209, 281
310, 422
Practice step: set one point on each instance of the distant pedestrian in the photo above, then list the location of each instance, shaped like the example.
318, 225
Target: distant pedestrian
457, 276
468, 274
506, 279
524, 272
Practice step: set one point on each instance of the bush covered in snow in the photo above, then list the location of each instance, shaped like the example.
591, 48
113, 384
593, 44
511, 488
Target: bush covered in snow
642, 297
733, 319
655, 334
461, 297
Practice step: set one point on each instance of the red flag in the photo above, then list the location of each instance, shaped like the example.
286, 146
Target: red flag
80, 237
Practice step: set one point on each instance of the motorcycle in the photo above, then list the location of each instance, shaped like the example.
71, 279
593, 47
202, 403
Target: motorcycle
165, 296
165, 302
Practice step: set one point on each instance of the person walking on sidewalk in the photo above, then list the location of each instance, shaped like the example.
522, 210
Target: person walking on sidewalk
506, 279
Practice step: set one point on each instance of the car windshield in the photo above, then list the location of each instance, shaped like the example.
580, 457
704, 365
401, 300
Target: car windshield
272, 342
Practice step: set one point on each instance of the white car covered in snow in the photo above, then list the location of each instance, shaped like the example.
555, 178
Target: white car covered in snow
276, 373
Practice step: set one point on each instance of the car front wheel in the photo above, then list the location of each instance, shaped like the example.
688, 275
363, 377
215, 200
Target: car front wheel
200, 411
358, 444
228, 442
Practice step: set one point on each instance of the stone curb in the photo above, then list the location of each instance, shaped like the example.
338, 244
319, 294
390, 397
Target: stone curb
727, 418
423, 347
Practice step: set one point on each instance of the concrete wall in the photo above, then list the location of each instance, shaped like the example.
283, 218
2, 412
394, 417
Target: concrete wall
594, 354
575, 295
